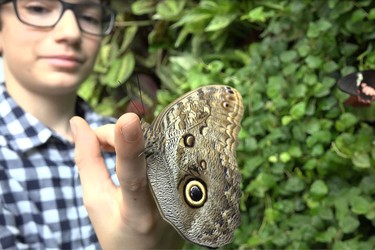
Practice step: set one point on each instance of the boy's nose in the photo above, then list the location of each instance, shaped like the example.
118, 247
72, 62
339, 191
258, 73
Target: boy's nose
67, 28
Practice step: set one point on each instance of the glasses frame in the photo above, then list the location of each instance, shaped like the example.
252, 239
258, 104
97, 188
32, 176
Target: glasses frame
72, 7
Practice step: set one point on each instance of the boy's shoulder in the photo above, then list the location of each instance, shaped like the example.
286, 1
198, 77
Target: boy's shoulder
21, 131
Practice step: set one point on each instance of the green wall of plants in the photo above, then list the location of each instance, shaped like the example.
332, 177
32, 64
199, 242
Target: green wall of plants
306, 158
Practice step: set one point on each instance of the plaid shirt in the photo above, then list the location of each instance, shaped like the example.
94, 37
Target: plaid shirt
40, 192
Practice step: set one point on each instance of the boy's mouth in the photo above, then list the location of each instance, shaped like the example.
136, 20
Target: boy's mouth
64, 61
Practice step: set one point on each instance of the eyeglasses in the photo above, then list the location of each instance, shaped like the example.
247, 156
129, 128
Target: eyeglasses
92, 18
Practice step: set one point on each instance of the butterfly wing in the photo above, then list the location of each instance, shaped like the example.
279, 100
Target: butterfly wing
192, 166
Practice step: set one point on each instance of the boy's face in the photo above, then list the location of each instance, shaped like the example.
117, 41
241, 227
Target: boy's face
48, 61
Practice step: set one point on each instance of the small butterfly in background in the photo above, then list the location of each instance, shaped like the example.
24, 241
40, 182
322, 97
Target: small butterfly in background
360, 86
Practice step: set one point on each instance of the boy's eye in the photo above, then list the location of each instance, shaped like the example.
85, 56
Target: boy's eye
37, 9
90, 19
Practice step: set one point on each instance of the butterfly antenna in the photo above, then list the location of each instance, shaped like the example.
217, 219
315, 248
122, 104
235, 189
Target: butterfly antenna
140, 113
140, 95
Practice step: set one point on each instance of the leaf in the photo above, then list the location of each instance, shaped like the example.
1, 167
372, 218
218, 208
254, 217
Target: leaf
322, 136
285, 157
86, 90
330, 66
348, 49
252, 164
367, 185
294, 184
314, 62
310, 164
220, 22
319, 188
358, 15
272, 215
326, 213
371, 14
298, 110
341, 204
349, 224
295, 151
261, 184
346, 120
288, 56
275, 85
324, 25
104, 55
129, 35
142, 7
359, 205
120, 70
192, 18
361, 160
343, 144
285, 120
303, 49
169, 10
317, 150
326, 236
255, 15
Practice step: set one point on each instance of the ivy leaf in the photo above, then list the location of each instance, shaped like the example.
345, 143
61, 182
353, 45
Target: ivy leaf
288, 56
371, 14
319, 188
294, 184
314, 62
358, 15
315, 29
348, 49
251, 165
367, 184
359, 205
361, 160
255, 15
298, 110
261, 184
349, 224
327, 236
346, 120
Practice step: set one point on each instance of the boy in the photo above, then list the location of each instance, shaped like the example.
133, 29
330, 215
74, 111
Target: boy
49, 48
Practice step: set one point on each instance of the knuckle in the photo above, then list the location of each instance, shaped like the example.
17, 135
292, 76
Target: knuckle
135, 185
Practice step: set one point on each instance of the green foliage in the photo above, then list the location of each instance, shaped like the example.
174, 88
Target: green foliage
307, 160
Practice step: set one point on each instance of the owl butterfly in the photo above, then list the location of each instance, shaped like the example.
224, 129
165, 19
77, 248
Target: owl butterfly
190, 149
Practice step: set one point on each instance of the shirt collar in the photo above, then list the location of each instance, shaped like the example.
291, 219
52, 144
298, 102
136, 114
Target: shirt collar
21, 131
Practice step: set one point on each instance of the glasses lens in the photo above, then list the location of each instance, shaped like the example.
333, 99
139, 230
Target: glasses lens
95, 19
41, 13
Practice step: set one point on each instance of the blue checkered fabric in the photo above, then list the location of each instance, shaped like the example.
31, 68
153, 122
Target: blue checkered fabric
40, 192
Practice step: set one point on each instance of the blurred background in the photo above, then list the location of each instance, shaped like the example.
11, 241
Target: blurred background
306, 155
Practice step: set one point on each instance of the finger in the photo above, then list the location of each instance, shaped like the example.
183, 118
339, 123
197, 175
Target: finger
92, 170
131, 167
106, 137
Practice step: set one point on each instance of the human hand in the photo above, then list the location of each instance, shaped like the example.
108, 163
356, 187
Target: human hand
124, 216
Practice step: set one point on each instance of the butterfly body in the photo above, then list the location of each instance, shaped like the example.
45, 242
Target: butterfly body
191, 164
